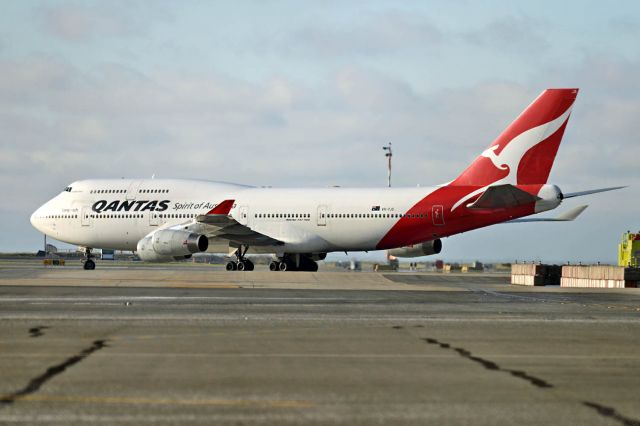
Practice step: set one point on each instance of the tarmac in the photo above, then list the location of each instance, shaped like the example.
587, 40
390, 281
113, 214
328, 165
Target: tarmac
177, 345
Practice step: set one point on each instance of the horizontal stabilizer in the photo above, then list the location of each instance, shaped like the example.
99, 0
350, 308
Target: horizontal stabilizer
591, 191
564, 217
503, 197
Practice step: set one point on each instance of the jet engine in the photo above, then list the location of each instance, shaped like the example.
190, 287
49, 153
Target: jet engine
166, 245
417, 250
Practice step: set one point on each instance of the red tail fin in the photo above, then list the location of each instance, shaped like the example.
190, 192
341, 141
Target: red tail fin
523, 154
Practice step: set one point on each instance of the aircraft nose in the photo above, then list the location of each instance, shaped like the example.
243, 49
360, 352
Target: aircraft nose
35, 219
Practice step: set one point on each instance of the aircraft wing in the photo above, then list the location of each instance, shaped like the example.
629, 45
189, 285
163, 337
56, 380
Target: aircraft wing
564, 217
502, 197
219, 224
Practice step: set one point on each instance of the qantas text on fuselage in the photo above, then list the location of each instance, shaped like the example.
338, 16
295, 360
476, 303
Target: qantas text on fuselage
167, 219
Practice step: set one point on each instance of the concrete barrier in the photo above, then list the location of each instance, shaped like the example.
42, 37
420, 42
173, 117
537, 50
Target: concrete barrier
535, 274
599, 276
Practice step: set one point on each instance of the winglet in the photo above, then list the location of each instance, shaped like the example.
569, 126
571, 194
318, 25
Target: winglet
223, 208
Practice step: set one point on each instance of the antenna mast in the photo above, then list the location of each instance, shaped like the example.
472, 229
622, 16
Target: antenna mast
388, 154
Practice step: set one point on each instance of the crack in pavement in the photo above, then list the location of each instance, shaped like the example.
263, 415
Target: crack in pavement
490, 365
611, 413
37, 331
602, 410
36, 383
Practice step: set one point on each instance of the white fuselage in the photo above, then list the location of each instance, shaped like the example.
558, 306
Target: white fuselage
117, 213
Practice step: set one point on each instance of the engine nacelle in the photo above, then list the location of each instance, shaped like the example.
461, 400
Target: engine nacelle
423, 249
166, 245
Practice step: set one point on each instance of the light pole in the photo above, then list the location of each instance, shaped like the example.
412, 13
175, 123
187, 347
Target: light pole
388, 154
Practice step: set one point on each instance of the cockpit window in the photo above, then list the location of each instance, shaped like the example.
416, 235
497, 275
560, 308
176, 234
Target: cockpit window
67, 189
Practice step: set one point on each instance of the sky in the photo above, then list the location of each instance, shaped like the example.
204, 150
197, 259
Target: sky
291, 94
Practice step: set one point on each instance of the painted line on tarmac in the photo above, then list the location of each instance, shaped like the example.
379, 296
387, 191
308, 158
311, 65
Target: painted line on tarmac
329, 356
324, 355
127, 283
73, 299
307, 318
87, 399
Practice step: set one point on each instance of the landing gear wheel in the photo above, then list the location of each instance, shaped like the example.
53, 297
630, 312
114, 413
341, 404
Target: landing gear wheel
89, 265
241, 263
309, 265
274, 266
248, 265
285, 266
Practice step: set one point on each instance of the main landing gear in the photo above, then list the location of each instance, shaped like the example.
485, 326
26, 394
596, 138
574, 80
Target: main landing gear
288, 262
241, 263
293, 263
88, 264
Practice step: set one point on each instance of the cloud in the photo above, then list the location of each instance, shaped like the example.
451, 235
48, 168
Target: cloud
388, 33
115, 113
625, 26
513, 33
79, 22
602, 133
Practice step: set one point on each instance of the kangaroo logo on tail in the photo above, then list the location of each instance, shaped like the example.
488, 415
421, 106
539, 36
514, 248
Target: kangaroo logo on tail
495, 159
507, 155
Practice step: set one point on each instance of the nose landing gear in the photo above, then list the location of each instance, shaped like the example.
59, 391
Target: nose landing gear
88, 264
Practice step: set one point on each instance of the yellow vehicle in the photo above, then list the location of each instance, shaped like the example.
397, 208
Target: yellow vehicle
629, 250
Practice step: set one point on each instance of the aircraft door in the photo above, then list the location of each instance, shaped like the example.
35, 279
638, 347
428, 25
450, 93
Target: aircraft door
322, 215
132, 191
85, 216
154, 219
243, 215
437, 215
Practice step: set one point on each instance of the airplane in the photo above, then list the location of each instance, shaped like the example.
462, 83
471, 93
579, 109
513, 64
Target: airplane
170, 219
